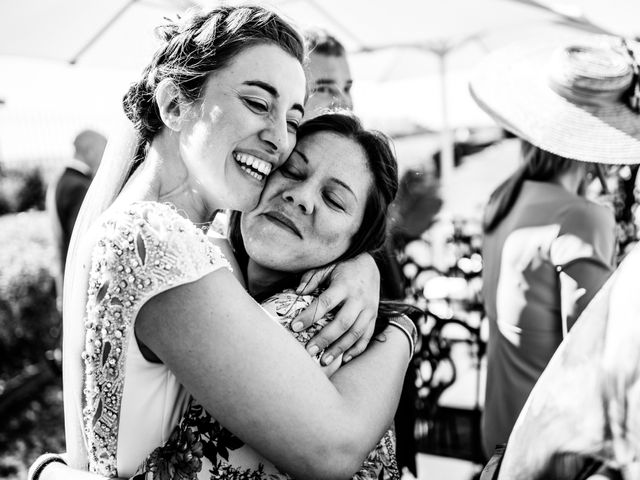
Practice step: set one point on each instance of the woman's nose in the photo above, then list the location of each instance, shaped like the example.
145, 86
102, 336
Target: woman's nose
342, 100
301, 197
276, 136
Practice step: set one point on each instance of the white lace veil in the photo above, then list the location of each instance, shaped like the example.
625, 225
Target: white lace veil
106, 185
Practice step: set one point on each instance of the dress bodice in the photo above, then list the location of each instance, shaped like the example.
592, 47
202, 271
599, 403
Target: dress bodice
129, 403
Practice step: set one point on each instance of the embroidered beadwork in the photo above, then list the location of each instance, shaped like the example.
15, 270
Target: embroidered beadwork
141, 252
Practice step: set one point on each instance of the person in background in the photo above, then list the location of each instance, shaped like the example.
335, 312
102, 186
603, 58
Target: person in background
328, 74
547, 249
66, 194
329, 83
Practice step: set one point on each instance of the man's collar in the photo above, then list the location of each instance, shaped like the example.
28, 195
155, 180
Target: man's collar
79, 166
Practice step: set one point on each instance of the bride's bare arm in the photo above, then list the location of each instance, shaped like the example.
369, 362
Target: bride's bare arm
353, 288
264, 387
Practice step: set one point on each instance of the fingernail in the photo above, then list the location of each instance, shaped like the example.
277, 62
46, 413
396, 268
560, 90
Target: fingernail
328, 360
296, 327
299, 289
347, 358
313, 350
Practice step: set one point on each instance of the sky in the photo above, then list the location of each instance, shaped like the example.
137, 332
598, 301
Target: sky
47, 101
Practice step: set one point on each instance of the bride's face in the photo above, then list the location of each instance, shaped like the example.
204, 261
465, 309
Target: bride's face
244, 127
311, 207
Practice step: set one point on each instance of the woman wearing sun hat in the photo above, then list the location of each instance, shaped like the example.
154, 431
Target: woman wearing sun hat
547, 250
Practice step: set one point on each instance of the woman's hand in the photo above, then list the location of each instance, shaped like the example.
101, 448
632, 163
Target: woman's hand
353, 285
332, 368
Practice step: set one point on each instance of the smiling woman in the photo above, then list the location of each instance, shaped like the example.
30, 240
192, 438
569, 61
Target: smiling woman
152, 309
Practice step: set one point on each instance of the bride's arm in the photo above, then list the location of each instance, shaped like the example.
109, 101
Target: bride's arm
353, 290
263, 386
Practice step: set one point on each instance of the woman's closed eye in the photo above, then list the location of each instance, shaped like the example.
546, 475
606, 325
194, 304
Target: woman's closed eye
292, 172
293, 125
257, 105
334, 201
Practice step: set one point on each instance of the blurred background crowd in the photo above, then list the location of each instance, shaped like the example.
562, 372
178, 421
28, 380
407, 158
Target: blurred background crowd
64, 66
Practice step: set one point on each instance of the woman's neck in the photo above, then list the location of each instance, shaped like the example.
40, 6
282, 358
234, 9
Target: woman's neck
572, 179
260, 280
164, 177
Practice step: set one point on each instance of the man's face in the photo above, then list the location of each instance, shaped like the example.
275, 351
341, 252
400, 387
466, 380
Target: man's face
329, 79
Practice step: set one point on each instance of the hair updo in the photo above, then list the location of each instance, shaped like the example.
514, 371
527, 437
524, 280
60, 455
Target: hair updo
195, 46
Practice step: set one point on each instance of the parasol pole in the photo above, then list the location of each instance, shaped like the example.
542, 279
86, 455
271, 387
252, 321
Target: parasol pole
446, 134
101, 32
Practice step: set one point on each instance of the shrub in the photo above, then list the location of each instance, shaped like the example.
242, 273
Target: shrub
21, 191
29, 320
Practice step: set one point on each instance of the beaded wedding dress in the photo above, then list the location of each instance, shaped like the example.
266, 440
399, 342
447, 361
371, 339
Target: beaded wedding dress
131, 405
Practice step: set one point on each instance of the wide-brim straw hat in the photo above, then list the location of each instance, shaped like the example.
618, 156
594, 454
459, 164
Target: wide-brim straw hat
570, 99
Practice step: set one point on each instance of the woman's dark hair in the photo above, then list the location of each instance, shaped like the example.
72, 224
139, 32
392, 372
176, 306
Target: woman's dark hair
195, 46
538, 165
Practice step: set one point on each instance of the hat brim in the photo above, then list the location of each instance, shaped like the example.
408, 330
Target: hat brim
512, 86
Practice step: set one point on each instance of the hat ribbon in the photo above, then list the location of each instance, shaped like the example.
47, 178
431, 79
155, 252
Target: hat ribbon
585, 96
633, 94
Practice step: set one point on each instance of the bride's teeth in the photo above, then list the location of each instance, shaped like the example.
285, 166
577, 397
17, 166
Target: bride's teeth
255, 163
253, 173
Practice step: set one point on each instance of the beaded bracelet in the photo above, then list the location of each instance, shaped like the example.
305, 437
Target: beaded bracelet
409, 329
41, 462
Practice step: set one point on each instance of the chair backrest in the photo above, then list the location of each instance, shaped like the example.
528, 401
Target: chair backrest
436, 370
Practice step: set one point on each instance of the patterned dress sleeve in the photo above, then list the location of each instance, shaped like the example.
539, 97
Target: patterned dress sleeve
141, 252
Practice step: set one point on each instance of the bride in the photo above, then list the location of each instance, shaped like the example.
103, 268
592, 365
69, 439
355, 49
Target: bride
153, 310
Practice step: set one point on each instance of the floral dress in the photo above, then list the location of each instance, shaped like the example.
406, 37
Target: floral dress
201, 448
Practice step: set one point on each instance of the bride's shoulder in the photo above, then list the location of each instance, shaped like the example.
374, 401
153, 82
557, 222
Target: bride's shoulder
154, 235
162, 216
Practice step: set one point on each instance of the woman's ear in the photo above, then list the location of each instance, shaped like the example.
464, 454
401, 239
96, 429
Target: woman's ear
173, 110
